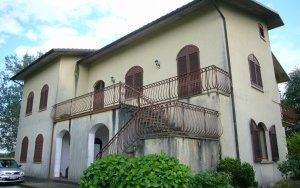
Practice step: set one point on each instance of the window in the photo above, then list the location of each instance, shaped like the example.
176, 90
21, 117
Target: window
134, 79
99, 95
44, 97
24, 149
273, 142
259, 145
188, 65
38, 149
261, 31
29, 103
255, 73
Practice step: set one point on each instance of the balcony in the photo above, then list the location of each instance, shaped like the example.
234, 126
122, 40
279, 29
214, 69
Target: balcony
205, 80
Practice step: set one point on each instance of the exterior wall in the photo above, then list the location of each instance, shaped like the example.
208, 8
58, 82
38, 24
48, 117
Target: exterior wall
197, 154
59, 76
202, 29
244, 39
39, 122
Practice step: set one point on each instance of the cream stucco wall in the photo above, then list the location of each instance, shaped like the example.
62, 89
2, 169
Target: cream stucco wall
202, 29
262, 106
39, 122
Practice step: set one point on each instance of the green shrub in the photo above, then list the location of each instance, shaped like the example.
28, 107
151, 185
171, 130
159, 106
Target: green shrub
106, 172
293, 144
242, 174
156, 171
292, 165
144, 171
211, 179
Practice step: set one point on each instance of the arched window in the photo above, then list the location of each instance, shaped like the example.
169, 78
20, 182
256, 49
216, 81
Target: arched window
259, 145
24, 149
255, 73
99, 95
134, 79
44, 97
29, 103
38, 149
261, 31
273, 142
188, 65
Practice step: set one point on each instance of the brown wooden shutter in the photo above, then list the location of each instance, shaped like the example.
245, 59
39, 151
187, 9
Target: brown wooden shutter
252, 72
258, 74
255, 141
194, 76
24, 149
38, 150
183, 79
29, 103
138, 81
273, 142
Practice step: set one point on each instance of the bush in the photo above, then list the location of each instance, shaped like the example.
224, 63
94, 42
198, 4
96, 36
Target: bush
292, 165
144, 171
106, 172
211, 179
293, 144
242, 174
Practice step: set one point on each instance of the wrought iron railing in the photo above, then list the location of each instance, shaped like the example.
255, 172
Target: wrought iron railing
166, 119
208, 79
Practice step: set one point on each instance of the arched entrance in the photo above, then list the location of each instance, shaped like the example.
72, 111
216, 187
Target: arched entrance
98, 137
62, 154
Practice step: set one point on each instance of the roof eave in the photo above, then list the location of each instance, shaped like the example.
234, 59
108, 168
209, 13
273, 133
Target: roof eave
280, 74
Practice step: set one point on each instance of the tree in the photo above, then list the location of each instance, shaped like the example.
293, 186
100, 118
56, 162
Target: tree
292, 95
10, 100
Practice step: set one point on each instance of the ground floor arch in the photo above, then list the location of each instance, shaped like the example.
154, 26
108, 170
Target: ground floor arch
62, 154
97, 138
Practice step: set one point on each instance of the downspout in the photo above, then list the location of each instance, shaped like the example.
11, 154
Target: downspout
230, 77
51, 145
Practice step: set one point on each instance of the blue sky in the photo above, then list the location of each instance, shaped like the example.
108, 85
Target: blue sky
39, 25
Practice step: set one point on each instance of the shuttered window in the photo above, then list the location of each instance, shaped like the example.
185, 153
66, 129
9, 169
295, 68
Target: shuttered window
255, 72
44, 97
24, 149
188, 65
273, 142
134, 79
258, 138
38, 149
29, 103
255, 141
261, 31
99, 95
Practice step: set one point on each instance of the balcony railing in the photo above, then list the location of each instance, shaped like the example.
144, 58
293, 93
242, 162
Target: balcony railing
164, 120
208, 79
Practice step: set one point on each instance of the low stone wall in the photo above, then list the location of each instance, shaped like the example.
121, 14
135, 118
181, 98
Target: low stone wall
198, 154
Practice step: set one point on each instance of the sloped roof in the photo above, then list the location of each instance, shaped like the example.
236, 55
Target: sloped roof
48, 58
271, 18
280, 74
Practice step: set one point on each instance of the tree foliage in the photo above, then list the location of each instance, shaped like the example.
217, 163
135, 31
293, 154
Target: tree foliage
10, 98
291, 97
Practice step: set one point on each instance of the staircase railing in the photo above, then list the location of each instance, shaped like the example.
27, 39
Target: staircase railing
163, 120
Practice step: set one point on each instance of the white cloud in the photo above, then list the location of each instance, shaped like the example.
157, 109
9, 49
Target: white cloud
31, 35
9, 25
59, 37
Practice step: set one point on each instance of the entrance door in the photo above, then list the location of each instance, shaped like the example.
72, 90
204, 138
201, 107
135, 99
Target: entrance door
188, 65
99, 95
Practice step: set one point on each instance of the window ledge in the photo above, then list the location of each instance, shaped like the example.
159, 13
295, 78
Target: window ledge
28, 114
42, 109
265, 161
257, 87
264, 39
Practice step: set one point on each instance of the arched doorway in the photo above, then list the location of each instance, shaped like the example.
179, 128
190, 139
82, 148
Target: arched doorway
98, 138
62, 154
99, 95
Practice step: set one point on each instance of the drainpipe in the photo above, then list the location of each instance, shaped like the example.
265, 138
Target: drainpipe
51, 145
230, 76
